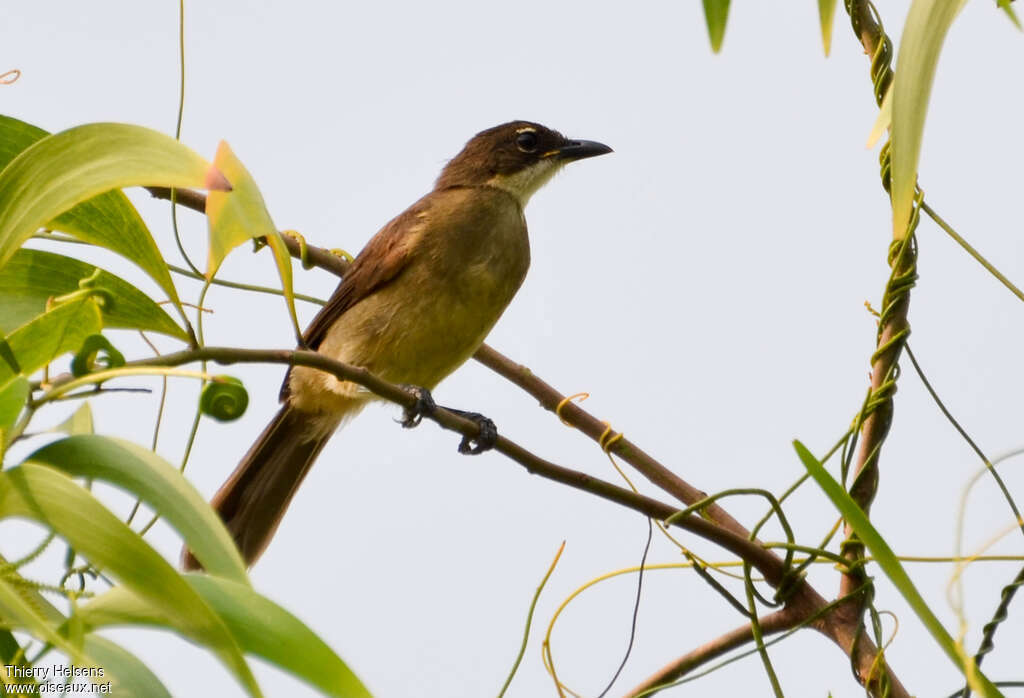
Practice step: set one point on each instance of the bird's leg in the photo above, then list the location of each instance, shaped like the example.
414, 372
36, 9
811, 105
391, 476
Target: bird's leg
413, 415
485, 438
470, 445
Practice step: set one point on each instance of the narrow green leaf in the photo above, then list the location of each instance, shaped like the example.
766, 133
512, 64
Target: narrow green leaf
45, 495
80, 421
1006, 7
826, 13
240, 215
55, 173
33, 276
156, 482
716, 13
129, 676
892, 568
928, 22
109, 219
52, 334
260, 626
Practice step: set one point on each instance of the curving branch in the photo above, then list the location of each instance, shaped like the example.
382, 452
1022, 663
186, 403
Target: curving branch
802, 602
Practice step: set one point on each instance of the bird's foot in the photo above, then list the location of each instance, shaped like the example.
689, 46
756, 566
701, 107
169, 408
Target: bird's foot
485, 438
413, 415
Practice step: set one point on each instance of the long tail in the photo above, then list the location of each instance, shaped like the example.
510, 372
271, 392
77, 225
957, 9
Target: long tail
254, 499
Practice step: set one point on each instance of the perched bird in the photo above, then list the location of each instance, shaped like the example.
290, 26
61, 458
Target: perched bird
415, 304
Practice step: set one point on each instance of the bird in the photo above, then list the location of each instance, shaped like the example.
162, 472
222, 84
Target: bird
414, 305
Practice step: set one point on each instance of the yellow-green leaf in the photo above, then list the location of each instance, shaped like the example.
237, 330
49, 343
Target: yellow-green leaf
261, 627
18, 611
923, 35
109, 219
156, 482
53, 499
13, 394
55, 332
890, 565
80, 421
716, 14
826, 13
31, 277
57, 172
1006, 7
239, 215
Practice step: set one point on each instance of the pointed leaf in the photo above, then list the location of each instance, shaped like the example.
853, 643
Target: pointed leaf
57, 172
716, 13
1010, 13
240, 215
260, 626
826, 13
42, 494
52, 334
925, 30
33, 276
109, 219
892, 568
156, 482
80, 421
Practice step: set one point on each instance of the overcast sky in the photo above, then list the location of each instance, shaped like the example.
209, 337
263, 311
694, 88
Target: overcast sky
705, 283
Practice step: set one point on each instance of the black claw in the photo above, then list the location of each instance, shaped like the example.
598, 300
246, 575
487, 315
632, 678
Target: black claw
484, 440
424, 404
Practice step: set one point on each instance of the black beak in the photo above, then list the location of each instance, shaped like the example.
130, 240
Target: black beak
577, 150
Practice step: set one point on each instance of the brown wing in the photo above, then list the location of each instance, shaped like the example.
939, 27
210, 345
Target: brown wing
383, 259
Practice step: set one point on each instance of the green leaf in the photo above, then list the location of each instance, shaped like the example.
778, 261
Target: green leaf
156, 482
55, 173
13, 395
33, 276
826, 13
239, 215
129, 676
109, 219
42, 494
260, 626
19, 611
52, 334
80, 421
1006, 7
892, 568
925, 30
716, 13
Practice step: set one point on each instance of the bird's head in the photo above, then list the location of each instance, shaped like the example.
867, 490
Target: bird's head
518, 157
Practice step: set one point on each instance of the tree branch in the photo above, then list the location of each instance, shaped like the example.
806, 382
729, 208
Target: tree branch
771, 624
719, 527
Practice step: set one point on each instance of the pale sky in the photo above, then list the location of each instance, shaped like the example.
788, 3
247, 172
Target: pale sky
705, 283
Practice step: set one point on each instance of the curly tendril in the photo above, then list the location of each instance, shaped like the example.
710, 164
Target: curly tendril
224, 398
87, 288
97, 353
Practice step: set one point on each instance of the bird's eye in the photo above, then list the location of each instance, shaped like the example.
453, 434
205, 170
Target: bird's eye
527, 141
